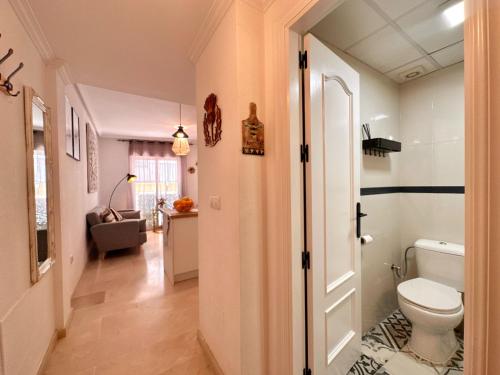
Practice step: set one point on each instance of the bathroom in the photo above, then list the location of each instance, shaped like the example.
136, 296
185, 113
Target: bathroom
410, 59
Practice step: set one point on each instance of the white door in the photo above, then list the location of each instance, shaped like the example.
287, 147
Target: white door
332, 132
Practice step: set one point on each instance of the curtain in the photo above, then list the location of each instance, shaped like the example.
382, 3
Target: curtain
158, 172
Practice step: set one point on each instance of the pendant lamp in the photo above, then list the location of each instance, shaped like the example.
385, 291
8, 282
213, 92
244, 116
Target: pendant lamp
181, 144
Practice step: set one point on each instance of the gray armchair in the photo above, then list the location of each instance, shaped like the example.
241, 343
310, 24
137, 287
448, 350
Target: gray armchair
129, 232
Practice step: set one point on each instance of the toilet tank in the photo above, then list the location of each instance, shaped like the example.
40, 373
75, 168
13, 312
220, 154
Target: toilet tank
441, 261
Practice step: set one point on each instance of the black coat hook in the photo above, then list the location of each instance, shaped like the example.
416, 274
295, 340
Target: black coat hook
6, 84
7, 55
9, 87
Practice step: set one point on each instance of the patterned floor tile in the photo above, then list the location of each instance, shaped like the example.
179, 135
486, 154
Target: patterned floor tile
384, 352
365, 366
397, 329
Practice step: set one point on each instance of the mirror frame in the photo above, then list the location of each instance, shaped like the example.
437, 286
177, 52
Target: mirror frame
38, 271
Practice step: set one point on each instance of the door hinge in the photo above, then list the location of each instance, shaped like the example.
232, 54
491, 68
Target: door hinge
303, 60
306, 259
304, 153
307, 371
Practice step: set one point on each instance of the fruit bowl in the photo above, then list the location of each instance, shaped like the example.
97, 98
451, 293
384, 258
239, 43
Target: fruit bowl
184, 204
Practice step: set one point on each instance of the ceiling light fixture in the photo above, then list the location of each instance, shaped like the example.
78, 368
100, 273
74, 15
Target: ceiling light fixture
181, 143
455, 14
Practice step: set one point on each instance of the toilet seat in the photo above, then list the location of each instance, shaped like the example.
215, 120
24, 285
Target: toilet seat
430, 296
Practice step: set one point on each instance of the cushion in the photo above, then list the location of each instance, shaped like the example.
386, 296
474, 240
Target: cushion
116, 214
107, 216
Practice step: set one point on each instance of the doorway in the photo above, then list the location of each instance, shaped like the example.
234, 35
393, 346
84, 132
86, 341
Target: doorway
316, 196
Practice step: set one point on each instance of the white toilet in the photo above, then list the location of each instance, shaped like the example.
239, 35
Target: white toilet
432, 302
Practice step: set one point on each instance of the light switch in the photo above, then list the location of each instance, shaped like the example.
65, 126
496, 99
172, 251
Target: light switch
215, 202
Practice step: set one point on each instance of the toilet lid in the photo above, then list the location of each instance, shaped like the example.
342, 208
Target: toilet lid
430, 295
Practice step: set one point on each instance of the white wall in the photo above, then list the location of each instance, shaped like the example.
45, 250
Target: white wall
231, 240
113, 166
26, 312
191, 188
218, 230
75, 201
432, 133
30, 314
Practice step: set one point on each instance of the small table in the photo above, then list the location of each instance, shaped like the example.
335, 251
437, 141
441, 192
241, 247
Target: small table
156, 220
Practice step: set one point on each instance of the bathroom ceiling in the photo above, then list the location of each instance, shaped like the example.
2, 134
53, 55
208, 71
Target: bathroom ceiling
403, 39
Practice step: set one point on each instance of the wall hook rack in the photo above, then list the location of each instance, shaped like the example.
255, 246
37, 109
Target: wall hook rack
7, 55
6, 84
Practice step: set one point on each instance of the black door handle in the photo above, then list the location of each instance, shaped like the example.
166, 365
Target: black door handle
359, 215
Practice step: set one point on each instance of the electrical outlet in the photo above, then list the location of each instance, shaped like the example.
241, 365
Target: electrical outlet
215, 202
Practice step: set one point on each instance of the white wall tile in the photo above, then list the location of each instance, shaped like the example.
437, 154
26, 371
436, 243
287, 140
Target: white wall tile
416, 113
449, 103
448, 213
416, 165
378, 284
416, 217
448, 163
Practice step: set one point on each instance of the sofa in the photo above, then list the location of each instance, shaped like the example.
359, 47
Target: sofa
130, 231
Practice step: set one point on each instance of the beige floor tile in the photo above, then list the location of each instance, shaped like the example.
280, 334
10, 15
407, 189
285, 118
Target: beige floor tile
143, 326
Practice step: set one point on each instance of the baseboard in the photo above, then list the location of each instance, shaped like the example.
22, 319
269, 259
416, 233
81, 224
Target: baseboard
62, 332
208, 353
49, 350
185, 276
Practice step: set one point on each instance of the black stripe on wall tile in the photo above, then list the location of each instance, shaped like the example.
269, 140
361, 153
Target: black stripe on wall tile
413, 189
379, 190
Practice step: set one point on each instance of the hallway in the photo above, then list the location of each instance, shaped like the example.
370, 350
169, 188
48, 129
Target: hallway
129, 320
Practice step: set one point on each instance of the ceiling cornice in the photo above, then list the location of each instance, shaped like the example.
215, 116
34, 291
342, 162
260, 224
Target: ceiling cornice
213, 18
27, 17
207, 28
261, 5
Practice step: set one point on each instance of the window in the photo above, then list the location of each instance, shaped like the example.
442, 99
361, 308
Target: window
156, 178
40, 177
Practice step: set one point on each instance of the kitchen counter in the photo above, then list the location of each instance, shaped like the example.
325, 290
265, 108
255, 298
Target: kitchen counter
180, 244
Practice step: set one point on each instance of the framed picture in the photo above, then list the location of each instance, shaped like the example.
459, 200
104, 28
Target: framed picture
76, 134
92, 174
69, 128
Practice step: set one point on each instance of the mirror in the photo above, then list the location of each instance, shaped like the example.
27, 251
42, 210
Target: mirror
39, 161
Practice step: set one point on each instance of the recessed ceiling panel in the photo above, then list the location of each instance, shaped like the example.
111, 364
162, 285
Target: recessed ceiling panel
396, 8
349, 23
411, 71
385, 50
450, 55
428, 26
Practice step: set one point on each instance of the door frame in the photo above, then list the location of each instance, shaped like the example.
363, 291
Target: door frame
284, 23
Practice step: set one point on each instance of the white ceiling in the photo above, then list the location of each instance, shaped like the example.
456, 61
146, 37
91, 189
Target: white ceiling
121, 115
395, 37
139, 47
130, 60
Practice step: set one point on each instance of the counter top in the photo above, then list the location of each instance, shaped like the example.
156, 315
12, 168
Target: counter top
178, 215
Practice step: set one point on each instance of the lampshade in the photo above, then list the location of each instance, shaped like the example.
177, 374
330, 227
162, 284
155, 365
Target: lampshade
131, 178
180, 133
180, 146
